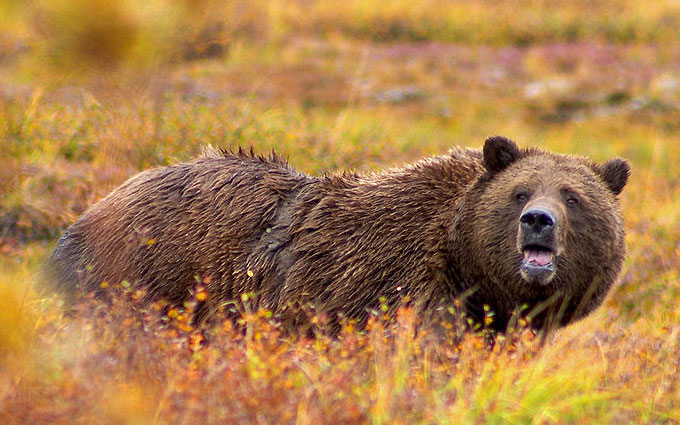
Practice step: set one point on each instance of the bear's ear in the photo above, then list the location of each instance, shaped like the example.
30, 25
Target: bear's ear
499, 152
615, 173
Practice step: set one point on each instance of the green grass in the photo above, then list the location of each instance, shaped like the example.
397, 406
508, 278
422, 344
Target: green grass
364, 86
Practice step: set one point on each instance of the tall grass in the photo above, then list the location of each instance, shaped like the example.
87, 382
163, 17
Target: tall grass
121, 364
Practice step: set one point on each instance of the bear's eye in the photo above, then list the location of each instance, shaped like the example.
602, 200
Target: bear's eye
570, 197
521, 197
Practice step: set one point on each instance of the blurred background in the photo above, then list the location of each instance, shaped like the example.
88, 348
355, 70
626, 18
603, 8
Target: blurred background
94, 91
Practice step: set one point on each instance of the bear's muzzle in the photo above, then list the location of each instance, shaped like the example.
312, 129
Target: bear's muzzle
537, 240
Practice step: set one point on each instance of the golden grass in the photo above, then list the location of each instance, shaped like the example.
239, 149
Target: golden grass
310, 80
118, 364
110, 34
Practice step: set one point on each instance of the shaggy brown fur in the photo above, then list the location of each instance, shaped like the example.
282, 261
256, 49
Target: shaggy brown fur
427, 232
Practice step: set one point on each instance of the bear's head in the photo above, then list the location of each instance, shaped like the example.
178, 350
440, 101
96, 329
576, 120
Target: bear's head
540, 226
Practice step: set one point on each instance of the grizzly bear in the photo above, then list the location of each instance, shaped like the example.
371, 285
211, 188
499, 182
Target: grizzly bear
503, 229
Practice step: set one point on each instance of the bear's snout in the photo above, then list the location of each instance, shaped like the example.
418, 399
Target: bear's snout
538, 223
537, 240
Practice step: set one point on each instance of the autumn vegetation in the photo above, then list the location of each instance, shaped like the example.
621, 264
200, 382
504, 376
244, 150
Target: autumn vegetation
92, 92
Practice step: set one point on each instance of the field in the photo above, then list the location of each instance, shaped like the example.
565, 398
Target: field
92, 92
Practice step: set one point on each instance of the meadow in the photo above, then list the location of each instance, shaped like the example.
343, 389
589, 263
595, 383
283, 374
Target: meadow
92, 92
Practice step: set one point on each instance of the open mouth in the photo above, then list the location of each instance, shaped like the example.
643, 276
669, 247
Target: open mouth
538, 264
537, 255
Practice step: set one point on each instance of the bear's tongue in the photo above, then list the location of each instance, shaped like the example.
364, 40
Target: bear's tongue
541, 257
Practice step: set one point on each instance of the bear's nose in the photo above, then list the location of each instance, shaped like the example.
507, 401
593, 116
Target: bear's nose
537, 220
